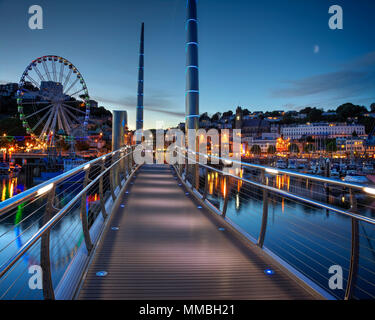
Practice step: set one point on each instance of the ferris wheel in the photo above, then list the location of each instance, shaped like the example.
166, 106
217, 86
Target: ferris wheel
52, 99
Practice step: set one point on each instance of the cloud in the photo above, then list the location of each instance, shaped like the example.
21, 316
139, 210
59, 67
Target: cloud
354, 79
346, 81
316, 49
365, 61
154, 103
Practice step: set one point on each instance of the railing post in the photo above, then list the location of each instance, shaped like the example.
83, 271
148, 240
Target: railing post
45, 259
226, 196
196, 166
84, 220
101, 193
205, 184
263, 227
112, 182
186, 164
126, 166
129, 163
354, 258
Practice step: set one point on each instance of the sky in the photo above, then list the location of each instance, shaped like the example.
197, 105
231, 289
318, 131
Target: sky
262, 55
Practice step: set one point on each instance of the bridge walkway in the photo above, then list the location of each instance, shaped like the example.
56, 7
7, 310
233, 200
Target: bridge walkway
168, 248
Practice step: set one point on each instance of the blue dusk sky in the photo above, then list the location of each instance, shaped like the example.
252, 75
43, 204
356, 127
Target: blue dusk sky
262, 55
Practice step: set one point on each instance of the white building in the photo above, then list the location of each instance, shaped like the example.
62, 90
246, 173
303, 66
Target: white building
350, 145
332, 130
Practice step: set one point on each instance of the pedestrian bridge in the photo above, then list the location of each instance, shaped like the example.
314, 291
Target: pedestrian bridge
111, 229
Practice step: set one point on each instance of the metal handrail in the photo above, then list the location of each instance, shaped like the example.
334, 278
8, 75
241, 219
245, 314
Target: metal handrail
13, 202
288, 194
368, 190
354, 217
62, 212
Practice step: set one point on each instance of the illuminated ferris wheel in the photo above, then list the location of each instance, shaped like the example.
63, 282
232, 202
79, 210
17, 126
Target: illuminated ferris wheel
52, 99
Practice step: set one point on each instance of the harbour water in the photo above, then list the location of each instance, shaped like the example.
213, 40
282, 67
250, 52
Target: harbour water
309, 239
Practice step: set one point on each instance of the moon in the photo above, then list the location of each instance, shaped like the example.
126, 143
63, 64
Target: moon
316, 49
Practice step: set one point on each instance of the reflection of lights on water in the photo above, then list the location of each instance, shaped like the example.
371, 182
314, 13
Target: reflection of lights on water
10, 188
237, 201
281, 181
224, 187
283, 205
3, 195
17, 230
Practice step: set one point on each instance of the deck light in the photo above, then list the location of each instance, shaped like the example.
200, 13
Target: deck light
87, 166
269, 272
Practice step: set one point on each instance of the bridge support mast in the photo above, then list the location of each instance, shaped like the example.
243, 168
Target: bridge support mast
139, 121
192, 79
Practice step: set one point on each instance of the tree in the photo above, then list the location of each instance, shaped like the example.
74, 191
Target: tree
331, 145
62, 145
315, 115
310, 139
293, 148
372, 107
204, 116
216, 116
228, 114
271, 149
349, 110
256, 150
82, 146
308, 148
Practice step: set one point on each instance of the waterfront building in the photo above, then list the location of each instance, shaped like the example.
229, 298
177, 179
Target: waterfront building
264, 142
351, 145
328, 130
9, 89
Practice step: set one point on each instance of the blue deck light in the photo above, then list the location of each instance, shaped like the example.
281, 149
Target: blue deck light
269, 272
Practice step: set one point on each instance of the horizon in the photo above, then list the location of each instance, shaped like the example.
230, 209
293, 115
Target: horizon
289, 61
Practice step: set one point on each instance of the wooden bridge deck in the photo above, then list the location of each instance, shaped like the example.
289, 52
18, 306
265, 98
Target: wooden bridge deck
167, 248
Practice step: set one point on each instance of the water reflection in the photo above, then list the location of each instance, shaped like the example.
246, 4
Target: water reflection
10, 186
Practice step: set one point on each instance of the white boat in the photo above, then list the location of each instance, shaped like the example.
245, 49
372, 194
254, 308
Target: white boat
355, 178
292, 164
281, 164
334, 173
70, 164
4, 168
368, 168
